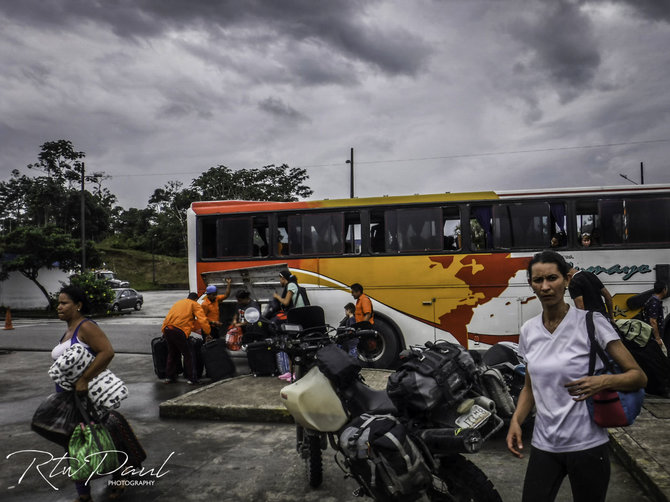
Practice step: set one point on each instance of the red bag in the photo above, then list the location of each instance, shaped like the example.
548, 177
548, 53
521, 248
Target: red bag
234, 338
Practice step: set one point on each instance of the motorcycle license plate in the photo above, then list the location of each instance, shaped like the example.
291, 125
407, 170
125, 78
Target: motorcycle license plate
474, 418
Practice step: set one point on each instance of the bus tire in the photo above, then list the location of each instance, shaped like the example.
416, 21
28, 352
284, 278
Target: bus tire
380, 351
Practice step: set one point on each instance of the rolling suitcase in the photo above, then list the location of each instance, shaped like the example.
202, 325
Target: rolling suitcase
217, 361
124, 439
196, 343
262, 360
159, 352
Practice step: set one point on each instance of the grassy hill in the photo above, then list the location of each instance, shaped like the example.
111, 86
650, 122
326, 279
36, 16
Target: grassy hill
145, 271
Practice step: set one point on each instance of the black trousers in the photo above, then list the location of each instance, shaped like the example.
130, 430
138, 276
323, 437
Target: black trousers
587, 470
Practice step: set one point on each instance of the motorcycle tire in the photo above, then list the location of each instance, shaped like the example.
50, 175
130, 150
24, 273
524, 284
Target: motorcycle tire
459, 480
313, 460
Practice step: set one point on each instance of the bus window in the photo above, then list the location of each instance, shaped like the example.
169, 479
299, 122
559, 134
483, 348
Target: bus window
481, 235
377, 240
411, 230
294, 234
207, 237
352, 233
451, 228
234, 236
261, 236
322, 233
613, 223
559, 220
521, 225
588, 221
282, 239
644, 228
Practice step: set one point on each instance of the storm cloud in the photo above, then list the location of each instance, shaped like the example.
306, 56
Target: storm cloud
434, 95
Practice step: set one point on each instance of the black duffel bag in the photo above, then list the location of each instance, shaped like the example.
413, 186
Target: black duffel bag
440, 375
340, 367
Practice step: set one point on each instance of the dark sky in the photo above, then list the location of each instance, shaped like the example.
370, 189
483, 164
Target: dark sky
434, 96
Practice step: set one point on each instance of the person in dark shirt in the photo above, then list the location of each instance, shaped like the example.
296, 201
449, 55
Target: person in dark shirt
588, 293
652, 312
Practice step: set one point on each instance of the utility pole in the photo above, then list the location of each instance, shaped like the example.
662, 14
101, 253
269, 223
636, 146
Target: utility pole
83, 220
351, 175
641, 173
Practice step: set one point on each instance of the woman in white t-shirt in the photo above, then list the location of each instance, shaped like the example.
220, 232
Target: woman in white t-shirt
555, 346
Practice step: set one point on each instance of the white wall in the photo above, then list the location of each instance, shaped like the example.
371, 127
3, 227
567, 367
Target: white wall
17, 292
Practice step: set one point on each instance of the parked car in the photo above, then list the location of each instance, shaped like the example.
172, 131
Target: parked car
126, 298
111, 279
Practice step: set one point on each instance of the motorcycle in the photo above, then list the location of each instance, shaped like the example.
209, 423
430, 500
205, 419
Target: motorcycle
397, 444
504, 357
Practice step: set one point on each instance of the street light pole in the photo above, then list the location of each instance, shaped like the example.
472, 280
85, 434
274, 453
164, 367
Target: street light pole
83, 220
351, 173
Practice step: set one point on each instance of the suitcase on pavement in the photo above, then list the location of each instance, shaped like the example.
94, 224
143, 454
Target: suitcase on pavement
159, 352
125, 440
262, 360
196, 343
217, 361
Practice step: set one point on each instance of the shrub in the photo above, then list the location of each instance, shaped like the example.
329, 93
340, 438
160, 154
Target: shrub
99, 293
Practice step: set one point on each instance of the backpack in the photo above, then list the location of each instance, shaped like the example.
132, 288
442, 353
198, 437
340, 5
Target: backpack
439, 375
634, 330
383, 458
303, 292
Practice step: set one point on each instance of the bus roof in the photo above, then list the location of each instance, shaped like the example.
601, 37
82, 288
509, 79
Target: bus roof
213, 207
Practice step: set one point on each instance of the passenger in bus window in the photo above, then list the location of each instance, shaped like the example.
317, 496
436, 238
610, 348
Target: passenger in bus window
586, 240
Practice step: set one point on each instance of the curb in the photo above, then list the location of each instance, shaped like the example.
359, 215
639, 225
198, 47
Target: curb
210, 402
636, 459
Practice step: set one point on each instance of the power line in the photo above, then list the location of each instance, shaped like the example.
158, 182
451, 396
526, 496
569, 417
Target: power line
439, 157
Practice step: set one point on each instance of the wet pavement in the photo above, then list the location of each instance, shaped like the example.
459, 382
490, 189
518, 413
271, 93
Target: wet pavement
232, 441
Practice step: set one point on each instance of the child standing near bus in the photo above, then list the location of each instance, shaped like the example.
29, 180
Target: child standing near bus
351, 346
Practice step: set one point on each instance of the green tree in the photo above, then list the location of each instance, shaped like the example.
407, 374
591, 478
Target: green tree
278, 183
55, 197
28, 250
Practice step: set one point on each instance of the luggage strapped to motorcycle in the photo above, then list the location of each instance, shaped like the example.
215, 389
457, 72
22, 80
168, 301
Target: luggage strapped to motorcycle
441, 374
395, 464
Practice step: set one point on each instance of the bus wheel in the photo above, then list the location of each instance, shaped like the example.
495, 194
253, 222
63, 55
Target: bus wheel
380, 350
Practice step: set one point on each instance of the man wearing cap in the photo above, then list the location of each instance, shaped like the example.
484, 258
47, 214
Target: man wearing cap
181, 319
210, 305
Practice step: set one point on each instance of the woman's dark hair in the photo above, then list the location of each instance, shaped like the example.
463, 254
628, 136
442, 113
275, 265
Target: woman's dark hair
77, 295
549, 257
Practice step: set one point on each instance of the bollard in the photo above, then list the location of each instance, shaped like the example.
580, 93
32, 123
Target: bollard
8, 319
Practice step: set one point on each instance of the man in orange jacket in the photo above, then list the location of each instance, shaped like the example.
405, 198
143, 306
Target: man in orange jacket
364, 310
210, 305
181, 319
